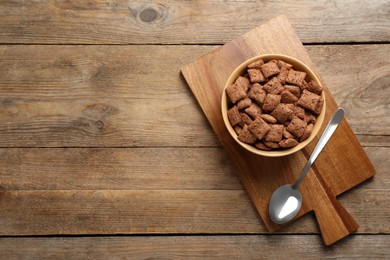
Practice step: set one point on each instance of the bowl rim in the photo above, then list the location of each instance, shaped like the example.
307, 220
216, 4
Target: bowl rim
267, 57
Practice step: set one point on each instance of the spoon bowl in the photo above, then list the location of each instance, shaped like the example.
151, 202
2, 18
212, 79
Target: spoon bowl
285, 204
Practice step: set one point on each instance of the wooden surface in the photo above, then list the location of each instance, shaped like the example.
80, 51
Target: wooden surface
260, 175
135, 176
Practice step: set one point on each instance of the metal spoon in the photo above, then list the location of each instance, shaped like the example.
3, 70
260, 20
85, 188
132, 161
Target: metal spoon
286, 201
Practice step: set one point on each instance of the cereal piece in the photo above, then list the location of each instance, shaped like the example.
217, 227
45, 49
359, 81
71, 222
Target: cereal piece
286, 133
284, 64
269, 119
295, 90
297, 127
271, 101
235, 93
245, 119
299, 112
259, 128
282, 113
318, 108
246, 136
309, 100
273, 86
243, 82
274, 134
288, 143
307, 132
309, 118
282, 75
256, 65
255, 75
295, 77
234, 116
262, 146
304, 85
314, 87
288, 97
257, 93
237, 129
270, 69
254, 110
244, 103
273, 145
290, 106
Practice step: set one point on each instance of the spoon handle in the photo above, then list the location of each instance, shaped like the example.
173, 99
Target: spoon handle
328, 132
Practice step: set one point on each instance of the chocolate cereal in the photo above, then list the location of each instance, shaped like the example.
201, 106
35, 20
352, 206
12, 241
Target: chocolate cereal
273, 106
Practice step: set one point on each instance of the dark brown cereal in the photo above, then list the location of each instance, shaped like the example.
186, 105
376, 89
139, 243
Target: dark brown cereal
237, 129
288, 143
297, 127
243, 82
286, 133
304, 85
269, 119
235, 93
314, 87
254, 110
295, 77
309, 118
282, 75
245, 119
309, 100
257, 93
256, 65
288, 97
299, 112
255, 75
262, 146
273, 86
234, 116
244, 103
318, 108
275, 133
279, 114
307, 132
284, 64
270, 69
282, 112
295, 90
271, 101
259, 128
273, 145
246, 136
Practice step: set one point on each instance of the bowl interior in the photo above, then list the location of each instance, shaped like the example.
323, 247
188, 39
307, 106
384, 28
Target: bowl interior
297, 65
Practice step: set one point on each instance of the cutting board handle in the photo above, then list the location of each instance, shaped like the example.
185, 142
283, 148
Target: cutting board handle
334, 220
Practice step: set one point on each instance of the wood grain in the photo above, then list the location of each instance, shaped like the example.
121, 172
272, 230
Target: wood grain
136, 169
195, 247
177, 22
75, 212
107, 96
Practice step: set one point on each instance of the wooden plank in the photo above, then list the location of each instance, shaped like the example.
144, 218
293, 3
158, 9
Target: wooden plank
91, 96
177, 22
136, 169
195, 247
165, 212
117, 169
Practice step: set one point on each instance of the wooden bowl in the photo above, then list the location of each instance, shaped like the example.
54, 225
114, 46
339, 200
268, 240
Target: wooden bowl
297, 65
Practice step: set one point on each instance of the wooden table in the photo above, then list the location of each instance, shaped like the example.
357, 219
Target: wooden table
105, 153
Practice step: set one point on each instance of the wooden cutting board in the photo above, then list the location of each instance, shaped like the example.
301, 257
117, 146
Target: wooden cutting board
342, 165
